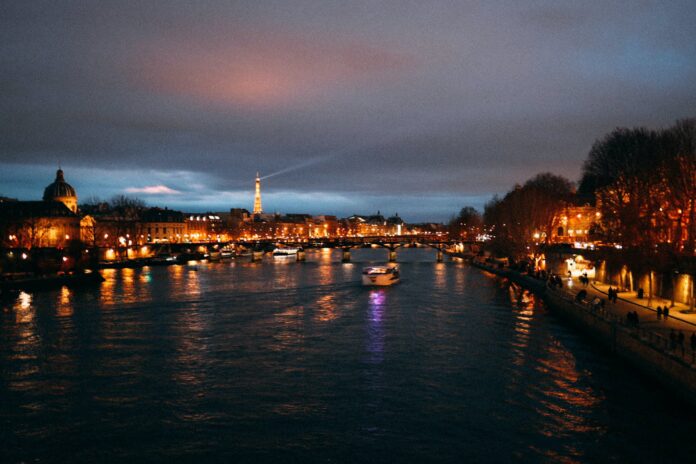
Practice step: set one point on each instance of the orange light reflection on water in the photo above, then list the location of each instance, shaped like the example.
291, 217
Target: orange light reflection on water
64, 306
327, 309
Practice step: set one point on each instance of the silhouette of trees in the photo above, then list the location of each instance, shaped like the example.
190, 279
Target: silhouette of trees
466, 225
644, 183
524, 219
114, 221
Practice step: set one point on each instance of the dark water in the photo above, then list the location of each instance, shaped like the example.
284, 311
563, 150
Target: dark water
296, 362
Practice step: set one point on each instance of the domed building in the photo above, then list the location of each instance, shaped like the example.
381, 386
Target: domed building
61, 191
51, 223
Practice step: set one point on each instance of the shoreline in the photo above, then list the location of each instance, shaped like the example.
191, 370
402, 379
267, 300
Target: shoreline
648, 351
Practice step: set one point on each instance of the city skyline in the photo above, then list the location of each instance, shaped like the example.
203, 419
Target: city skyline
347, 109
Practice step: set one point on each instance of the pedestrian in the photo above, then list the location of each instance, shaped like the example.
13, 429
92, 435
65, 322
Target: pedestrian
665, 312
635, 318
659, 312
680, 338
693, 347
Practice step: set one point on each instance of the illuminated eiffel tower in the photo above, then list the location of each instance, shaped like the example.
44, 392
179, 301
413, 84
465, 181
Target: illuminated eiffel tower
257, 197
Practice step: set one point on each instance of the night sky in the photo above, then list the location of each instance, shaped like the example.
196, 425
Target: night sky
414, 107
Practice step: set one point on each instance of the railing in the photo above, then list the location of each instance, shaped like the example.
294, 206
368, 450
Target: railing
667, 346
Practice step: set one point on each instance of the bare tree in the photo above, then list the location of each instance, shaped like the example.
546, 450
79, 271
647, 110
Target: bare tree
467, 224
523, 220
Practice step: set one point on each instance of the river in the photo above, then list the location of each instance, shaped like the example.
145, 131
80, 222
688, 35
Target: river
281, 361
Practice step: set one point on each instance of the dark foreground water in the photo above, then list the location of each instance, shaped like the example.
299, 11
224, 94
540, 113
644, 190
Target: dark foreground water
296, 362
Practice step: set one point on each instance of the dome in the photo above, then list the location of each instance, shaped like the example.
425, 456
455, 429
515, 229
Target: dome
58, 189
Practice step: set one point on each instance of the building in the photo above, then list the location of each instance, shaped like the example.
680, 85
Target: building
37, 224
208, 227
159, 225
575, 224
61, 191
52, 222
396, 225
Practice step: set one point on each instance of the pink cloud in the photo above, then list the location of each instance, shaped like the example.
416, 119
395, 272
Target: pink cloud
153, 190
277, 68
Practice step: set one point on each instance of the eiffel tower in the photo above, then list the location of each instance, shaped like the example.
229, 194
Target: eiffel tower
257, 197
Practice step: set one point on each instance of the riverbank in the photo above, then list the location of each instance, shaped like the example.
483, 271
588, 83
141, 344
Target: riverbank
49, 282
651, 345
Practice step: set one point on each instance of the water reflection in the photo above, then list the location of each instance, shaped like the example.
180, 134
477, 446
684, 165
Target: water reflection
327, 310
440, 275
128, 294
289, 332
108, 287
326, 255
375, 331
24, 313
192, 349
64, 306
312, 364
176, 275
193, 284
561, 399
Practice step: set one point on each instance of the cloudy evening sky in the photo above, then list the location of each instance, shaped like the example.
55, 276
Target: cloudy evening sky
416, 107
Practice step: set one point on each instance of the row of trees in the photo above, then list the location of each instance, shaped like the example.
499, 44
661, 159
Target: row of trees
111, 220
644, 185
523, 220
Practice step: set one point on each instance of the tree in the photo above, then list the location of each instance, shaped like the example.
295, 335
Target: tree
467, 224
113, 221
524, 219
678, 165
621, 171
645, 185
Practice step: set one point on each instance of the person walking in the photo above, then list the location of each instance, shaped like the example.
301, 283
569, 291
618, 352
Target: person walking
659, 312
665, 312
693, 347
680, 339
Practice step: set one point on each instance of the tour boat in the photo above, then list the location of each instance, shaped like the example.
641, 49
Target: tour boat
380, 275
285, 251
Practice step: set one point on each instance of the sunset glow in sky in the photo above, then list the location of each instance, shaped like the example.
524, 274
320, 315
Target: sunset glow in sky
418, 108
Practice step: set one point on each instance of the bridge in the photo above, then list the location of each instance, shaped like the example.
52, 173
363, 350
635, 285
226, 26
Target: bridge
258, 247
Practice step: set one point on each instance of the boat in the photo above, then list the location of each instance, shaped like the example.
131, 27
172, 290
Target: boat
163, 259
380, 275
47, 282
285, 251
227, 252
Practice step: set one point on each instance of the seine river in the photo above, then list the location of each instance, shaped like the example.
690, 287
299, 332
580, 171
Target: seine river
297, 362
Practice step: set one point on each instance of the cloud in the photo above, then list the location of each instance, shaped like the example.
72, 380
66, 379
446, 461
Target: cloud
257, 72
153, 190
427, 104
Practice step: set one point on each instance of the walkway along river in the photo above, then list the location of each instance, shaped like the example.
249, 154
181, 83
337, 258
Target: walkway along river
645, 345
